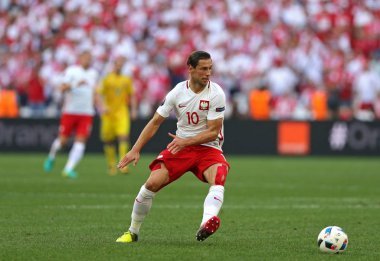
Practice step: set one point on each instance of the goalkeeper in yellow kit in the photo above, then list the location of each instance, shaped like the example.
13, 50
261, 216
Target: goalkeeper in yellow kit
116, 94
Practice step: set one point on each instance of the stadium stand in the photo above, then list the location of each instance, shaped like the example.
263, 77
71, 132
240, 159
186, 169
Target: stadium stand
298, 50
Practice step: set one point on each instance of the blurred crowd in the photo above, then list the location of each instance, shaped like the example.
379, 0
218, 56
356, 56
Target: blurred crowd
276, 59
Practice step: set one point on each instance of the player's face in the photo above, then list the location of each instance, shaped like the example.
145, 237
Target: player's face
119, 62
202, 72
85, 59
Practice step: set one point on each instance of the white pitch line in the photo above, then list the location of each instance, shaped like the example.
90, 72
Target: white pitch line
188, 206
287, 201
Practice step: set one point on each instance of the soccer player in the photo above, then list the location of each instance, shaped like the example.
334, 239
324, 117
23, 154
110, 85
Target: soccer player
115, 93
199, 106
78, 87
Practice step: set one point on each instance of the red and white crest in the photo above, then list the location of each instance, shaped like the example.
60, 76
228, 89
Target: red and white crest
204, 105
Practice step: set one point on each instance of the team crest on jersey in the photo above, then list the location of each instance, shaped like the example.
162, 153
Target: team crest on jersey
204, 105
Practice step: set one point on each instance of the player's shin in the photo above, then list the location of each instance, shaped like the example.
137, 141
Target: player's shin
213, 202
110, 153
49, 162
141, 207
75, 155
123, 148
55, 147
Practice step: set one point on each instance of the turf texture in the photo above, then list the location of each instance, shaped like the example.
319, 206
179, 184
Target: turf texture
274, 208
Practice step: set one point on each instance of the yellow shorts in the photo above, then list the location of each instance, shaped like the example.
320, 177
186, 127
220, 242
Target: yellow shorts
114, 125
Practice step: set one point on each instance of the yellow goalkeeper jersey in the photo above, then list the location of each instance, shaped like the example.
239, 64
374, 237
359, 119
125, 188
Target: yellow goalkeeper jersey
116, 90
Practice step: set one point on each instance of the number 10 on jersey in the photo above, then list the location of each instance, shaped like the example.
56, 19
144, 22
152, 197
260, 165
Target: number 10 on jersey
192, 118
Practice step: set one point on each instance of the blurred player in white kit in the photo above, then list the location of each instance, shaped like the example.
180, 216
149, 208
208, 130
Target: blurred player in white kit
78, 88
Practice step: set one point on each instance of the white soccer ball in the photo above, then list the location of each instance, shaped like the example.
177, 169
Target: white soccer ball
332, 239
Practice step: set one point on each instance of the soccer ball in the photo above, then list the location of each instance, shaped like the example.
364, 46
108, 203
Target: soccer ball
332, 239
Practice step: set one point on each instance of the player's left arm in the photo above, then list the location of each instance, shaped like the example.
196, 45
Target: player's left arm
210, 134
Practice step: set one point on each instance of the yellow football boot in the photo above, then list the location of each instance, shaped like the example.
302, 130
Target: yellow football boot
112, 171
124, 170
127, 237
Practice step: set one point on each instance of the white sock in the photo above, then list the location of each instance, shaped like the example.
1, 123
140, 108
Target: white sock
213, 202
75, 155
55, 147
141, 207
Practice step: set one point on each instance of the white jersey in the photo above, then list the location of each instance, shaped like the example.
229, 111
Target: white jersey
367, 86
80, 98
194, 109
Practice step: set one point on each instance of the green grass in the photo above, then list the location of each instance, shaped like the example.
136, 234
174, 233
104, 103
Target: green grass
274, 209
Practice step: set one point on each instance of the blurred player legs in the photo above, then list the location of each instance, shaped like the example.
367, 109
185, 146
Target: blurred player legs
81, 124
115, 130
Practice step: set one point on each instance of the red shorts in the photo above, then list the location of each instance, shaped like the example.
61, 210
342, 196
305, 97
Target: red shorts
80, 124
368, 106
193, 158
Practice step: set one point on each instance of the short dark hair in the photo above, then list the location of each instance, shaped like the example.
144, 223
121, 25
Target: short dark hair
196, 56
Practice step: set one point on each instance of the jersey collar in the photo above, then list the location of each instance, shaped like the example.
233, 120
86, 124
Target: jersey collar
188, 86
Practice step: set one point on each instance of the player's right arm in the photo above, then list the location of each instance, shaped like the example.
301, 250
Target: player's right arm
65, 87
68, 77
149, 130
146, 134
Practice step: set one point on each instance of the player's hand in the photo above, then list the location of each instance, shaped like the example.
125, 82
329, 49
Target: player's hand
177, 144
128, 158
82, 83
104, 110
133, 114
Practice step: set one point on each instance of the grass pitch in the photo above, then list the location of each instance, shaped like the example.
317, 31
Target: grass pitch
274, 209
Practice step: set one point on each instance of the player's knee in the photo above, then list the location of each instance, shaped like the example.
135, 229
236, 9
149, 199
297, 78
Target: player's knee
122, 138
82, 139
108, 142
152, 186
63, 141
158, 178
221, 175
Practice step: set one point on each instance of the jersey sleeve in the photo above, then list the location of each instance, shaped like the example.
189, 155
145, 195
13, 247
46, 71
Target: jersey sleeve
217, 108
167, 105
68, 76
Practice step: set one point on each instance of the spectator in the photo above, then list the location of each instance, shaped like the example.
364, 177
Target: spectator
281, 80
315, 39
366, 93
8, 103
259, 103
285, 106
35, 90
319, 104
